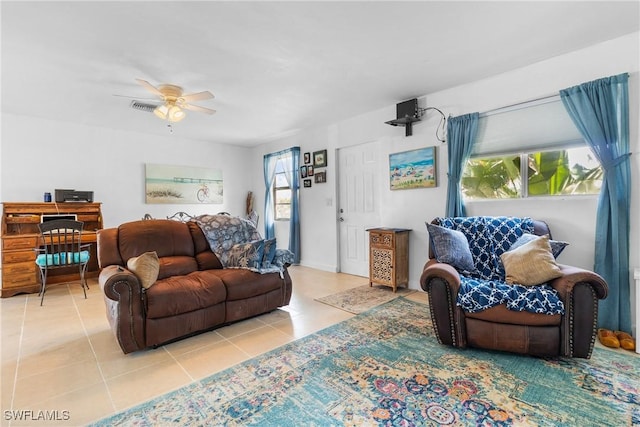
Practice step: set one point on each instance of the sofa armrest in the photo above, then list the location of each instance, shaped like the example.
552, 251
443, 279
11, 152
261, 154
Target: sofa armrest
442, 282
580, 291
124, 298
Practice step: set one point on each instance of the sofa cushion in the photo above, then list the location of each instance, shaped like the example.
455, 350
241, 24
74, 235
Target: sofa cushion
451, 247
166, 237
182, 294
531, 264
243, 283
146, 267
176, 266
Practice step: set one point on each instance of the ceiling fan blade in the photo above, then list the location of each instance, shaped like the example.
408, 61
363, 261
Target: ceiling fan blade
198, 109
151, 88
200, 96
137, 97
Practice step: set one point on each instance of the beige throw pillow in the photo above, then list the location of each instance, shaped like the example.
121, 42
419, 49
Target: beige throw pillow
531, 264
146, 267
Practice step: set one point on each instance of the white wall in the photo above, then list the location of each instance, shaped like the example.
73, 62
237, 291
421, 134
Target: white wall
570, 219
41, 155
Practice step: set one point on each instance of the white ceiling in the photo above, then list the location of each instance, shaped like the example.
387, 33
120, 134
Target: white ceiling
274, 67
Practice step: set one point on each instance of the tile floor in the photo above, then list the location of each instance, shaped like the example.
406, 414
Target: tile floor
62, 357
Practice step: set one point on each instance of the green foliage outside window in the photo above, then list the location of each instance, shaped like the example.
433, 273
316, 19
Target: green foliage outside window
573, 171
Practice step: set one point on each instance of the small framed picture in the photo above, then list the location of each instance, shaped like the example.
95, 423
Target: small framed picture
303, 171
320, 159
307, 158
310, 170
307, 182
320, 177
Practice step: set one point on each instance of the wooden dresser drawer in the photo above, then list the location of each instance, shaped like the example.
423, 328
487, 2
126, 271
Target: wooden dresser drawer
27, 267
19, 243
383, 240
21, 278
18, 256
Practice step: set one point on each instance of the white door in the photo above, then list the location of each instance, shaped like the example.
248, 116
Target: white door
358, 204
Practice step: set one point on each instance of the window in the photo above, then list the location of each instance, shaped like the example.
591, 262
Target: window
561, 172
281, 192
530, 150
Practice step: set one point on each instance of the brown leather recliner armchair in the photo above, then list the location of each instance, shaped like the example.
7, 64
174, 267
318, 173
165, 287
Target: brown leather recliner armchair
571, 334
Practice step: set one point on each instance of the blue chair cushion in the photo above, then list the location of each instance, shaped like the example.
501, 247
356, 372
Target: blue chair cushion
451, 247
44, 260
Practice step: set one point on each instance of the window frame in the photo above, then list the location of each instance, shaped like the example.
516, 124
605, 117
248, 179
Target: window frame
275, 190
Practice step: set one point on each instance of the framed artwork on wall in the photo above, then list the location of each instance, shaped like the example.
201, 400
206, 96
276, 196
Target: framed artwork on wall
182, 185
320, 177
413, 169
310, 170
307, 158
307, 182
303, 171
320, 159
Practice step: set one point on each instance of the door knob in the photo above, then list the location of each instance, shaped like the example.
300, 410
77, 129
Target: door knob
341, 219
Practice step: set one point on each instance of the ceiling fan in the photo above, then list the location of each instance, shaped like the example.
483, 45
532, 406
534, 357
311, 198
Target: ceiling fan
174, 101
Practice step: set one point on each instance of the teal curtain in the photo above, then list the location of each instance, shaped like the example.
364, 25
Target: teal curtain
462, 132
600, 110
291, 173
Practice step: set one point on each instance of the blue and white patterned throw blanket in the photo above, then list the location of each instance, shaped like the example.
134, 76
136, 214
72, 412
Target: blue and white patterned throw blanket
490, 237
223, 232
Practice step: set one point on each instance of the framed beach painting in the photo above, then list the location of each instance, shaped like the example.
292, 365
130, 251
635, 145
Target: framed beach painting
413, 169
182, 185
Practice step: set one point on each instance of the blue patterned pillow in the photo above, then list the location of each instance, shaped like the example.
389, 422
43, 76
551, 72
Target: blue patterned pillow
557, 246
451, 247
246, 255
269, 252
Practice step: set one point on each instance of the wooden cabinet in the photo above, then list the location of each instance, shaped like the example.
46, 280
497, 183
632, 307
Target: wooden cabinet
389, 257
20, 236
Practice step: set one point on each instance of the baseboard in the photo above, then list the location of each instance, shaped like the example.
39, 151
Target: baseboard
323, 267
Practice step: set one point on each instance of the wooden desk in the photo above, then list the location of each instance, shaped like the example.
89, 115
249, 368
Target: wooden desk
20, 236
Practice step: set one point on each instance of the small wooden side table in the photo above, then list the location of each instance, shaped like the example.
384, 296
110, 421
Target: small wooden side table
389, 257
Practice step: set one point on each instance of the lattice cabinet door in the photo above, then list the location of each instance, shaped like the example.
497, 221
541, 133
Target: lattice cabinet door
389, 257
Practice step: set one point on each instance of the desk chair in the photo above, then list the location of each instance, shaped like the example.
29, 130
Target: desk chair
61, 248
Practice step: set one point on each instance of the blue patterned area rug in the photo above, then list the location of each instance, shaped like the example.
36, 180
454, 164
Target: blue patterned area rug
385, 367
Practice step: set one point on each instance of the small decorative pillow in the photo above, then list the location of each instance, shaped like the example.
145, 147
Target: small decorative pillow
557, 246
451, 247
269, 252
146, 267
246, 255
530, 264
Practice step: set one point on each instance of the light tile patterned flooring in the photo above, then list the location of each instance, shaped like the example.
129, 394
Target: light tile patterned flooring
62, 357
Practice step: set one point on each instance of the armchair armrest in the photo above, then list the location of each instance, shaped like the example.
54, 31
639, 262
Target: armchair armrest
580, 291
434, 269
125, 302
442, 282
571, 276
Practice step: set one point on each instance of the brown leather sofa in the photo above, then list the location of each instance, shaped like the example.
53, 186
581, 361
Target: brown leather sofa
498, 328
193, 292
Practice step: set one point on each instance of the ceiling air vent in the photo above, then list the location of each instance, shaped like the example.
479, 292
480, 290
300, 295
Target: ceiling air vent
136, 105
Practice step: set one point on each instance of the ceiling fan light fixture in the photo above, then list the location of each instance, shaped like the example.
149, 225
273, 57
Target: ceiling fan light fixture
161, 111
175, 114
